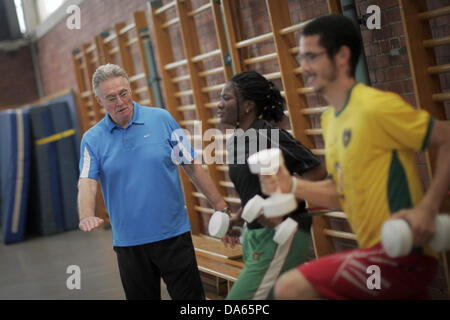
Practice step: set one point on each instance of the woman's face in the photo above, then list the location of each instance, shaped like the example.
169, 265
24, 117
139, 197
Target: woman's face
227, 106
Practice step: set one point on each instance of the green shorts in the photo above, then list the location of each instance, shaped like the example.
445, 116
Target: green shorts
265, 261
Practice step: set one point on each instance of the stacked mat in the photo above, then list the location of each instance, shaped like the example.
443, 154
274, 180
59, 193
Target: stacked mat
39, 153
14, 173
54, 170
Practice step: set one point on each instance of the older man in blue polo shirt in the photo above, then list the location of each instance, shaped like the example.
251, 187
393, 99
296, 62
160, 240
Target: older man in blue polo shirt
131, 151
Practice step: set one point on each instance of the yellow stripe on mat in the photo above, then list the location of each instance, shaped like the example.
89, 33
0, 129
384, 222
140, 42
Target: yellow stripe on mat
55, 137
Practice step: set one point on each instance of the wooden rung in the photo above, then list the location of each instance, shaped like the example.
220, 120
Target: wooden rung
127, 28
298, 70
165, 7
223, 168
210, 72
314, 132
441, 97
86, 94
226, 184
102, 111
110, 38
188, 122
318, 152
181, 78
249, 42
295, 27
217, 87
212, 104
314, 111
141, 90
113, 50
175, 64
145, 102
206, 55
184, 93
204, 210
90, 48
305, 90
436, 42
294, 50
199, 9
273, 75
132, 41
190, 107
214, 121
266, 57
94, 60
434, 13
199, 195
170, 22
336, 214
232, 200
339, 234
137, 77
439, 69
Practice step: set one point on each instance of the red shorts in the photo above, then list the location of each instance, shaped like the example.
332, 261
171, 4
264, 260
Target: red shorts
371, 274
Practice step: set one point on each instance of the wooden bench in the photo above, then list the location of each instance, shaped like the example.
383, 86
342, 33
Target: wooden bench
219, 266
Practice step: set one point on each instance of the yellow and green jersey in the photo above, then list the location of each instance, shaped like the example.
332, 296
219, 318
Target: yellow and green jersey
370, 146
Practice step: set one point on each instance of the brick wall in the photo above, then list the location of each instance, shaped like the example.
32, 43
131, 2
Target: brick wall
17, 80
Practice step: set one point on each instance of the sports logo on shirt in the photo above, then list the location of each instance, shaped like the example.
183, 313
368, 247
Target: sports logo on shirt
346, 137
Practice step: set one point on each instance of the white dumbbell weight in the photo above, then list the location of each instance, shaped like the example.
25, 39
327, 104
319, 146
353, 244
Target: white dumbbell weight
397, 238
253, 209
285, 230
219, 224
267, 162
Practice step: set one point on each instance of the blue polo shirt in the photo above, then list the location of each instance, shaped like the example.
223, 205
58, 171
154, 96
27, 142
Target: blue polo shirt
138, 172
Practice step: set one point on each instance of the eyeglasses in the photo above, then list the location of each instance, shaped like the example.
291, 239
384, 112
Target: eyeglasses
123, 95
309, 57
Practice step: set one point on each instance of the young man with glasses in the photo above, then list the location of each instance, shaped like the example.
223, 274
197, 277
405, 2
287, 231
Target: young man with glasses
130, 151
370, 138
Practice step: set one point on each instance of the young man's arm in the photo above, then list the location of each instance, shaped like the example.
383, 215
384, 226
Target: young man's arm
87, 193
422, 217
323, 193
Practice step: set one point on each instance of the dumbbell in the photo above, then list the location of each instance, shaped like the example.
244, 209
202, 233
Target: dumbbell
397, 237
267, 162
219, 224
254, 209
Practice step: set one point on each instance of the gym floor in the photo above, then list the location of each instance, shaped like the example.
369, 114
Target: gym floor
36, 269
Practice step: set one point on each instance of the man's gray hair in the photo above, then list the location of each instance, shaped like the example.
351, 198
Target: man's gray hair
106, 72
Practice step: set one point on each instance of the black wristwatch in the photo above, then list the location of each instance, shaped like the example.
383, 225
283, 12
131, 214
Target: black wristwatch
227, 210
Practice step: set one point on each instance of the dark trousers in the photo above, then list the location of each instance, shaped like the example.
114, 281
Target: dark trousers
141, 268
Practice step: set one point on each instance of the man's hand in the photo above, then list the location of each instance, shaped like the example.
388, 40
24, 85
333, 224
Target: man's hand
283, 179
90, 223
422, 223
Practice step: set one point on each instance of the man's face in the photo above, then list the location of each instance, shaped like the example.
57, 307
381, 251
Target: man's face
318, 70
115, 97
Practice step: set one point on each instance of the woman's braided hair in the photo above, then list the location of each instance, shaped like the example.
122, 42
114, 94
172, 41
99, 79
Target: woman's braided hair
254, 87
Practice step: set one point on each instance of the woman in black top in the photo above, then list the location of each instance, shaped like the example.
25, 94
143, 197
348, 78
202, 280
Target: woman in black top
252, 104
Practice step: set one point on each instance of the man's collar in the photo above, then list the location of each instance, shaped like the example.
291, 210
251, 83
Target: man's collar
135, 120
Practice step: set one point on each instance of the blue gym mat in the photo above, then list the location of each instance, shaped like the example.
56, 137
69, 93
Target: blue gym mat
14, 173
